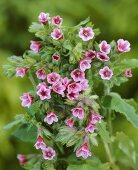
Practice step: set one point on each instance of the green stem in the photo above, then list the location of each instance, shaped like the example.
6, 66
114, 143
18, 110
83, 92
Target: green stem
109, 154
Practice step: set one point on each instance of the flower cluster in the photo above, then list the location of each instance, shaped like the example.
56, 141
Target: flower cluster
65, 69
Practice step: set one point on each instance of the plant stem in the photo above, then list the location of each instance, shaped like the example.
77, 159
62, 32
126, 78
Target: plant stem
109, 154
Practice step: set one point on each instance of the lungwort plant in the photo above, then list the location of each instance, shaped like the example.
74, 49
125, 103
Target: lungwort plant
70, 108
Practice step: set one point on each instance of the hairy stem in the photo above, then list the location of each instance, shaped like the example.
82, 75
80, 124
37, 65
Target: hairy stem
109, 154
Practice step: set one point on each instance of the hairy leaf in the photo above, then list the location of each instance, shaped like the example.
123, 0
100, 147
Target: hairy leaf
114, 102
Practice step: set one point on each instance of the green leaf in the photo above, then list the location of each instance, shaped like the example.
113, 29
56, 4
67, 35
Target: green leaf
104, 134
92, 163
114, 102
126, 146
84, 22
48, 165
65, 134
67, 45
12, 124
9, 71
26, 133
77, 51
125, 64
35, 27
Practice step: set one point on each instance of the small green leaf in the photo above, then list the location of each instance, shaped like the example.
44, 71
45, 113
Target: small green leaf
12, 124
84, 22
35, 27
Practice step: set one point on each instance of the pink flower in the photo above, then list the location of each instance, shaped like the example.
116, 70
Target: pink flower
83, 151
74, 87
35, 46
53, 78
85, 64
90, 54
77, 75
90, 128
104, 47
106, 73
44, 93
86, 33
66, 81
95, 118
78, 112
48, 153
128, 73
42, 84
55, 57
59, 88
43, 18
50, 118
69, 122
22, 159
27, 100
41, 74
73, 96
84, 84
103, 57
40, 144
123, 46
20, 72
57, 20
57, 34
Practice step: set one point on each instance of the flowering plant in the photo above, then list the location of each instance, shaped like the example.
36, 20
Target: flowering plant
70, 108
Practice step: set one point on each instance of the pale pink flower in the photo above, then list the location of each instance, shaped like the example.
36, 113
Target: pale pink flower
43, 18
73, 96
48, 153
41, 74
57, 34
90, 128
40, 144
106, 73
78, 112
128, 73
59, 88
55, 57
83, 151
57, 20
103, 57
90, 54
104, 47
22, 159
44, 93
53, 78
77, 75
27, 100
95, 118
66, 81
86, 33
85, 64
35, 46
20, 72
74, 87
50, 118
42, 84
123, 46
84, 84
69, 122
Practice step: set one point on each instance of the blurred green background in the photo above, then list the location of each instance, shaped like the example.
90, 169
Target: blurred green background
115, 18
